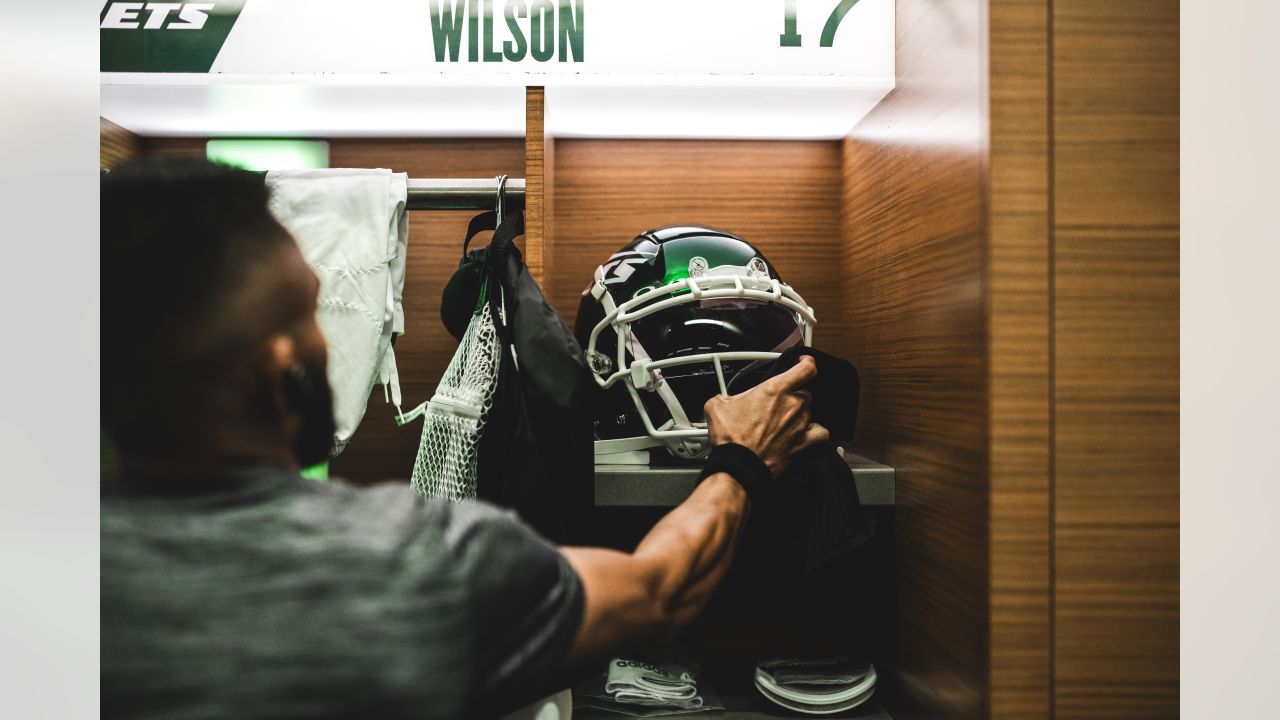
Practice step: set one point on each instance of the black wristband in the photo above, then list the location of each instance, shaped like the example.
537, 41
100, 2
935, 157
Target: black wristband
742, 465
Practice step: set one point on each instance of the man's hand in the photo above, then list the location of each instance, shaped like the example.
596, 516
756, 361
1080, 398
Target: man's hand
771, 419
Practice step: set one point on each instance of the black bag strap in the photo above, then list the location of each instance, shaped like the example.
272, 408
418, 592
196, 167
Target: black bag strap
480, 223
499, 247
512, 227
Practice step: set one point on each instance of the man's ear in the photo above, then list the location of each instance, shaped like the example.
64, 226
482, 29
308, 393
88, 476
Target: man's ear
281, 357
282, 354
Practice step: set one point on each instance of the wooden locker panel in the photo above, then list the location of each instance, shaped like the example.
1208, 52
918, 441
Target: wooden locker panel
1117, 377
915, 325
1018, 327
172, 146
115, 144
1116, 368
1115, 79
1116, 479
1117, 621
915, 330
535, 175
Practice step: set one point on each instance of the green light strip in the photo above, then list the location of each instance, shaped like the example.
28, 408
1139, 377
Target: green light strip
262, 155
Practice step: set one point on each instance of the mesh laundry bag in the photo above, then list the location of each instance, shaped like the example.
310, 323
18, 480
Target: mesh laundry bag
447, 463
454, 418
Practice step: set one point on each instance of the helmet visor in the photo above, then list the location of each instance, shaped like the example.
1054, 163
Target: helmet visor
722, 325
696, 382
716, 326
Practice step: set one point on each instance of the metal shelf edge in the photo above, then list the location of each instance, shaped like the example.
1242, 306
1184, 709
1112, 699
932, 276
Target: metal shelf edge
644, 486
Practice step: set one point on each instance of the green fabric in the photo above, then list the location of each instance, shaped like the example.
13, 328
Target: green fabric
319, 471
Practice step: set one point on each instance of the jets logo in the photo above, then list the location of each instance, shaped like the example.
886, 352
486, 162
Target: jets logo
621, 266
154, 16
167, 37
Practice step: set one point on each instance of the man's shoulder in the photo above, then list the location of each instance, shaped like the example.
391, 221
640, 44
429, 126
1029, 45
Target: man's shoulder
333, 519
399, 509
397, 498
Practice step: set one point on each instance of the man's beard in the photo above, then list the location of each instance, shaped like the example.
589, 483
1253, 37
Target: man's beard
313, 402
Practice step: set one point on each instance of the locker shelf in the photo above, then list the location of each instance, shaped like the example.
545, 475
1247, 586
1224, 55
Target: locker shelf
644, 486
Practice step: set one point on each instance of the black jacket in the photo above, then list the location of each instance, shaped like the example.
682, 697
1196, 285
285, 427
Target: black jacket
535, 453
805, 576
814, 519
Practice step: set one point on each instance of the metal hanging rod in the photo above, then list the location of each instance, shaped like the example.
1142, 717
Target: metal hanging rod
459, 193
462, 194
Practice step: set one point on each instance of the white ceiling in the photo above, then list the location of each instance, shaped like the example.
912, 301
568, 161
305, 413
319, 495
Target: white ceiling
378, 106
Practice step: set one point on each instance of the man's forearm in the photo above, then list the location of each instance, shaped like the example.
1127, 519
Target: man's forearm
644, 598
692, 547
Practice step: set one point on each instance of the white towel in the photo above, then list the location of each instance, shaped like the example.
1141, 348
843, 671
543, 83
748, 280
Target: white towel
640, 683
352, 229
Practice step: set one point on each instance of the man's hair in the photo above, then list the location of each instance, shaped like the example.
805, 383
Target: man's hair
178, 239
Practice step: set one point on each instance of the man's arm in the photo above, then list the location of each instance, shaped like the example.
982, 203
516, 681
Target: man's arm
642, 599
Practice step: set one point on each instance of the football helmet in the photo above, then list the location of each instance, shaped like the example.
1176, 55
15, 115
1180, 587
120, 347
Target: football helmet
677, 315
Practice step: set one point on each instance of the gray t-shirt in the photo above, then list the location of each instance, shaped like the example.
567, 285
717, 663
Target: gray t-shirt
266, 595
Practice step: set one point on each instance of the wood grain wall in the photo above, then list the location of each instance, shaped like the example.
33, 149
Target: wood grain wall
1018, 334
1042, 249
1115, 391
782, 196
380, 450
535, 177
115, 144
915, 325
